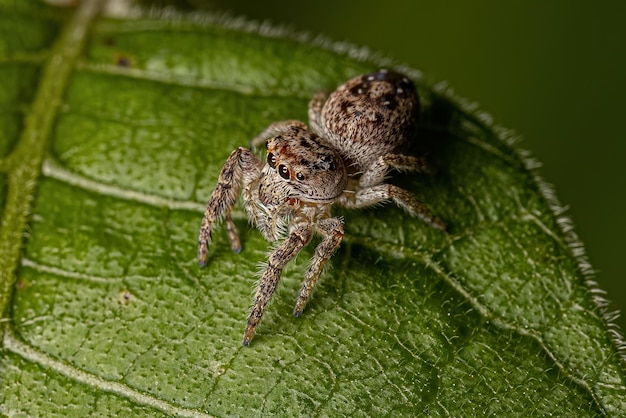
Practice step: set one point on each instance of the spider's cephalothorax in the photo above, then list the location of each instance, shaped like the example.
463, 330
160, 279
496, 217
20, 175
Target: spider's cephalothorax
357, 135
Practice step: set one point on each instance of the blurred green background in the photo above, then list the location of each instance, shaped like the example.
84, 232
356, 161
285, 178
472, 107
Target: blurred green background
555, 71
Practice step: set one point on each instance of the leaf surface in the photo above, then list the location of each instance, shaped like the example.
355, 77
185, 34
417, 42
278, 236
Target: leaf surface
112, 134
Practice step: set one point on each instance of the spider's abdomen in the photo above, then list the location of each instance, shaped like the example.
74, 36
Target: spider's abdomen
371, 115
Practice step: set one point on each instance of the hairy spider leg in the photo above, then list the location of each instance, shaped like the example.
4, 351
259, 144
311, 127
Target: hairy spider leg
275, 129
315, 111
332, 231
233, 236
376, 173
300, 235
380, 193
240, 169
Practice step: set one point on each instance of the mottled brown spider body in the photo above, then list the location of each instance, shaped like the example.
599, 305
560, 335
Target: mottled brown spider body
357, 135
363, 110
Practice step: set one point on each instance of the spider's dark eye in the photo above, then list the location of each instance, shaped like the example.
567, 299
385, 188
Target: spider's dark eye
271, 160
300, 176
283, 171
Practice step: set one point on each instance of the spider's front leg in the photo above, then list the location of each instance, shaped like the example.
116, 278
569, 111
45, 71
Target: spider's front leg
297, 239
332, 230
241, 168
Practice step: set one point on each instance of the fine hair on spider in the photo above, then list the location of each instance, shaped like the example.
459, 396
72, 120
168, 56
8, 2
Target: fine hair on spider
356, 135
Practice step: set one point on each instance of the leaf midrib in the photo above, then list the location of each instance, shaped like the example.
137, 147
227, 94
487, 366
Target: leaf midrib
24, 163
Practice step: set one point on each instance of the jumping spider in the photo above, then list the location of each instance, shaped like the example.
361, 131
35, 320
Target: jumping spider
357, 134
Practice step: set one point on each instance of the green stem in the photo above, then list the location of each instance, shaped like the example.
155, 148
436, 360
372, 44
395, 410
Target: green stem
24, 164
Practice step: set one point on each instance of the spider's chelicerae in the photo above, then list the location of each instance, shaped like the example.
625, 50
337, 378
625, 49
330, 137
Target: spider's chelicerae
357, 134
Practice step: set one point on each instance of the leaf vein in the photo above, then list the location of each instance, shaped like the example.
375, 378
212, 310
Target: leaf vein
484, 311
54, 170
42, 268
27, 352
186, 81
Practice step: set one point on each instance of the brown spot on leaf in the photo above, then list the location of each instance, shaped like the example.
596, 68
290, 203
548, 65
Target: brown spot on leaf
123, 61
125, 297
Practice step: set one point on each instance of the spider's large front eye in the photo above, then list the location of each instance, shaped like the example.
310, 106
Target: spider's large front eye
283, 171
271, 160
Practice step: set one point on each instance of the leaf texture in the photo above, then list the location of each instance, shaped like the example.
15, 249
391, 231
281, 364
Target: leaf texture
112, 134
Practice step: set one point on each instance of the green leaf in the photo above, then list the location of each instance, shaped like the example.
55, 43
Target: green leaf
112, 134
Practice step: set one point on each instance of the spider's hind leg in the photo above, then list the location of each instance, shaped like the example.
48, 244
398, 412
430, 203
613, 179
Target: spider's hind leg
275, 129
